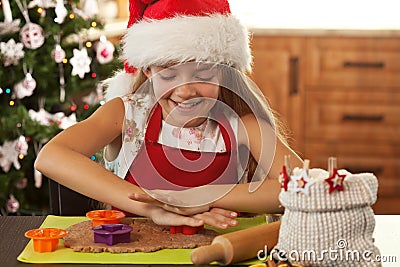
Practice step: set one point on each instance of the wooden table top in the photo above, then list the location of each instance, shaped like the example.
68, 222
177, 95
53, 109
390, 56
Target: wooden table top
13, 241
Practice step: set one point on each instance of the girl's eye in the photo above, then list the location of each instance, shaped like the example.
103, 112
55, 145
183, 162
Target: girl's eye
205, 78
167, 77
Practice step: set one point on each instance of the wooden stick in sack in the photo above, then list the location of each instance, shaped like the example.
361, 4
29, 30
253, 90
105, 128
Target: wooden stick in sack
238, 246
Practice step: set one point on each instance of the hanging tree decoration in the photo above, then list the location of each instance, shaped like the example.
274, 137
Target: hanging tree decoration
61, 12
32, 34
104, 50
11, 151
80, 61
58, 54
11, 52
37, 175
44, 118
90, 8
42, 3
12, 204
9, 25
25, 87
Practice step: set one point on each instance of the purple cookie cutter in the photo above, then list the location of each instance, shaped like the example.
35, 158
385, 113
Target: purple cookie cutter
112, 234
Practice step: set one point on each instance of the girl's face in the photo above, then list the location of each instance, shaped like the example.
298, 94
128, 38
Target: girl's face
186, 92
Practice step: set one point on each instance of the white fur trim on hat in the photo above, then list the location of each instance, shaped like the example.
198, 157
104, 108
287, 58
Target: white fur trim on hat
215, 38
118, 85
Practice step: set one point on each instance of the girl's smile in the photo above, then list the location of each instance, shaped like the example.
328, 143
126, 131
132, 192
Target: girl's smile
186, 92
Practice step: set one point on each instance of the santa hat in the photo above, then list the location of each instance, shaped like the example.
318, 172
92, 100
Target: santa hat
164, 31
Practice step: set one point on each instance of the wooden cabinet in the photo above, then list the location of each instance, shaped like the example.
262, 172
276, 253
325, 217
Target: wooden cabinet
278, 64
340, 96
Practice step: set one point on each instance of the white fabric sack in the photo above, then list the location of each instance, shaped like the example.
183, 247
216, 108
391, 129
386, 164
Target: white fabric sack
319, 228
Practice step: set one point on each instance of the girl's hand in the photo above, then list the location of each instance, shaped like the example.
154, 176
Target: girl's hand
163, 217
218, 218
143, 197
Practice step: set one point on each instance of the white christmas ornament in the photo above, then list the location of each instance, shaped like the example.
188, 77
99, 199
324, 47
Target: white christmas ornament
5, 4
10, 151
63, 121
58, 54
104, 50
80, 62
38, 177
32, 35
9, 25
41, 116
11, 52
25, 87
91, 98
90, 8
61, 12
45, 118
22, 145
12, 204
42, 3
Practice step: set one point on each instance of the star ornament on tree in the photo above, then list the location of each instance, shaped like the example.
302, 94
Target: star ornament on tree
335, 181
302, 181
80, 63
12, 52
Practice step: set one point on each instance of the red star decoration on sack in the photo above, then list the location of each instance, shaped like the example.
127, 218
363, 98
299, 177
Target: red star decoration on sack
335, 181
284, 178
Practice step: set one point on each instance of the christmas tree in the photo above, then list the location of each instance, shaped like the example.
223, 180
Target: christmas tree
50, 73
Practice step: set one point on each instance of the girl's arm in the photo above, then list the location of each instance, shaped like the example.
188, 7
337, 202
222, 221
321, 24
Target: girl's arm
66, 159
269, 151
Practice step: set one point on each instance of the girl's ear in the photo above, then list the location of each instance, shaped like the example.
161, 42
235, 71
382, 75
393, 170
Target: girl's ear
147, 72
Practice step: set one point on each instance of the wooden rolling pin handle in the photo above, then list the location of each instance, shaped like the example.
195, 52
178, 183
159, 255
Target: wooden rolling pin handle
238, 246
207, 254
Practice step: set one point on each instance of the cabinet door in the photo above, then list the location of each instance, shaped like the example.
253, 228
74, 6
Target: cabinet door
277, 71
354, 62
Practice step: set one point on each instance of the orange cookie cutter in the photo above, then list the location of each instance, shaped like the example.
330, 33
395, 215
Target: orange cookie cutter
45, 239
100, 217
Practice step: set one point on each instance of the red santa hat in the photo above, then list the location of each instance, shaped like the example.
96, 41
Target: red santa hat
164, 31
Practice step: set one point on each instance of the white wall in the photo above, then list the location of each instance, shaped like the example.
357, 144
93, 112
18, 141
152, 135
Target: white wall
320, 14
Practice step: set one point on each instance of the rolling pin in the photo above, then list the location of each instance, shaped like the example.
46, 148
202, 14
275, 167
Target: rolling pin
238, 246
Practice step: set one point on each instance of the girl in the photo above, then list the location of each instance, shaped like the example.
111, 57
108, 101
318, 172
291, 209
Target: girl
189, 120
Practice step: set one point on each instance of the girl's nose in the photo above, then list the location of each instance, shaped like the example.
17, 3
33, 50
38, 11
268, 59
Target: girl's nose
185, 91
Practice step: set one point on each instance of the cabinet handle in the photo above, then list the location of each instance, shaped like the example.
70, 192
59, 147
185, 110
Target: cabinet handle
294, 76
377, 170
360, 117
355, 64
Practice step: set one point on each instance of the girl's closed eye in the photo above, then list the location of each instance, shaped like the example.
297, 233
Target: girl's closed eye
205, 78
205, 75
167, 77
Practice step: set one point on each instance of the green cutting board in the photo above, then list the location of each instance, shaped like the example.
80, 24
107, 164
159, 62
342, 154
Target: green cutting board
165, 256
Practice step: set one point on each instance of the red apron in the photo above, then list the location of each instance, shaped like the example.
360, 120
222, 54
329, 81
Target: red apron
170, 168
